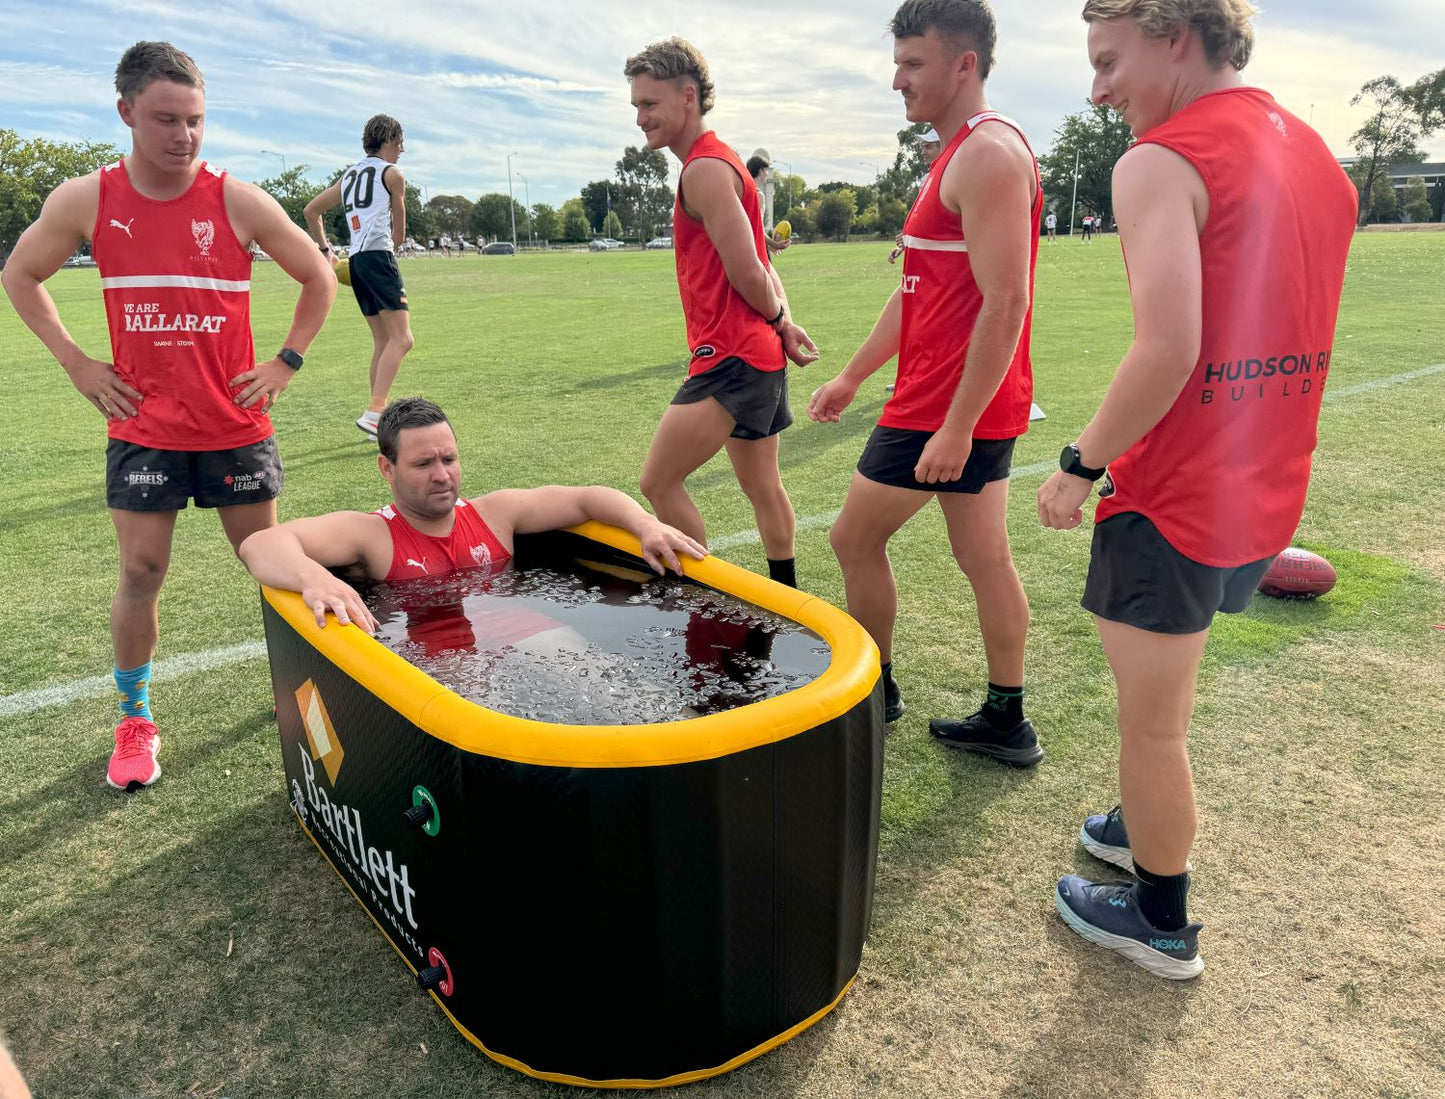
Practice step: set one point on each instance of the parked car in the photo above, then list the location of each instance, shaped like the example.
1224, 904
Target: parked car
659, 242
499, 248
80, 259
605, 244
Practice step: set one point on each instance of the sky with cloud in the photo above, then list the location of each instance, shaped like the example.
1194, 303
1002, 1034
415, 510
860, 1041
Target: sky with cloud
475, 81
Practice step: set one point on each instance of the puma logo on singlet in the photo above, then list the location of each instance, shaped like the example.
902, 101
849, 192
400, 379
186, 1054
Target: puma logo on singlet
417, 564
125, 228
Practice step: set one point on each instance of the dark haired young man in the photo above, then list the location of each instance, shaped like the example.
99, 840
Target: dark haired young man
739, 329
184, 396
959, 324
373, 194
428, 529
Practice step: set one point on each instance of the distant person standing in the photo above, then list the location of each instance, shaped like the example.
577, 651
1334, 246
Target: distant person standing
1052, 224
739, 328
184, 397
760, 168
1088, 229
1223, 263
930, 145
372, 192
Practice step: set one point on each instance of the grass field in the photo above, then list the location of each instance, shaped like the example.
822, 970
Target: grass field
190, 940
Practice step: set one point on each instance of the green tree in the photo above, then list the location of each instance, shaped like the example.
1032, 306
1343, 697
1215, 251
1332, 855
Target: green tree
788, 192
801, 221
902, 180
1428, 96
1384, 203
31, 168
596, 201
835, 214
574, 221
452, 214
1417, 201
293, 191
420, 224
492, 216
1097, 136
612, 225
546, 223
641, 196
891, 214
1391, 136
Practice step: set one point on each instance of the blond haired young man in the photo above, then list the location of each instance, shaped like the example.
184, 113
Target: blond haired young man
1205, 436
373, 193
184, 397
740, 331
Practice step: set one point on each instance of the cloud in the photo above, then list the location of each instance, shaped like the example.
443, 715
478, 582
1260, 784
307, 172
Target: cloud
475, 80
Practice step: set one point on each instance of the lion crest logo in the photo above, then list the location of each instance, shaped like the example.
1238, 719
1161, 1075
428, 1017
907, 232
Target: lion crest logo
205, 234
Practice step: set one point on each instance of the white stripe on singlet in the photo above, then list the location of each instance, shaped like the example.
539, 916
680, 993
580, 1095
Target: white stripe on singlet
928, 244
189, 282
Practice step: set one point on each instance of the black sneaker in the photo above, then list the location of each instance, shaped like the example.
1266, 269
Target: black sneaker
893, 706
1018, 747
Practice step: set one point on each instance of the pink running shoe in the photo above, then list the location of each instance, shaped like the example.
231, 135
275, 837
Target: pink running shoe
133, 763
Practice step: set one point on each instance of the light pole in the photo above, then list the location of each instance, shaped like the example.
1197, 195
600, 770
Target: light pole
1074, 202
528, 193
268, 152
511, 202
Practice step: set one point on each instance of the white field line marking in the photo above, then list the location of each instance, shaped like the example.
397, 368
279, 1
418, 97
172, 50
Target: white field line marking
1383, 383
62, 694
174, 667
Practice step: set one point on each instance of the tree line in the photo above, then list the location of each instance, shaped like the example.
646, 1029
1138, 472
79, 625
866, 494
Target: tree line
636, 200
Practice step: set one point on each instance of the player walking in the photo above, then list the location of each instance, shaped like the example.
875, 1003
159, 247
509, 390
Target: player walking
372, 192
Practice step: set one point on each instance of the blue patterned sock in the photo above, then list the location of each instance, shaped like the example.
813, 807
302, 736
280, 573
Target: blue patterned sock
134, 688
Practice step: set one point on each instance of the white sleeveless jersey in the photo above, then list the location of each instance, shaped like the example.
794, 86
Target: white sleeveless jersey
367, 205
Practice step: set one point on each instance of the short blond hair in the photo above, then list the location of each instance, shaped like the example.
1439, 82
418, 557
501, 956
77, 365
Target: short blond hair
675, 59
1222, 25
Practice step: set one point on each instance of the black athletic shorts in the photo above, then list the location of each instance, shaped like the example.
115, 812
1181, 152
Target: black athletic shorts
376, 282
138, 478
891, 455
1136, 577
757, 400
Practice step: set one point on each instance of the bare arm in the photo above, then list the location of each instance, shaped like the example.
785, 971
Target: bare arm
296, 556
259, 217
527, 511
990, 182
65, 220
317, 207
711, 189
395, 183
1160, 206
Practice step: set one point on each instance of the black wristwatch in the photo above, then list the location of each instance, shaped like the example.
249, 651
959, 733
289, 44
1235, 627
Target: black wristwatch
291, 358
1069, 462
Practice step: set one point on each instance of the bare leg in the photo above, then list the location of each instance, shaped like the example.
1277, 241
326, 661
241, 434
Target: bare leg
688, 436
978, 532
871, 516
144, 538
1156, 674
243, 520
391, 340
755, 461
